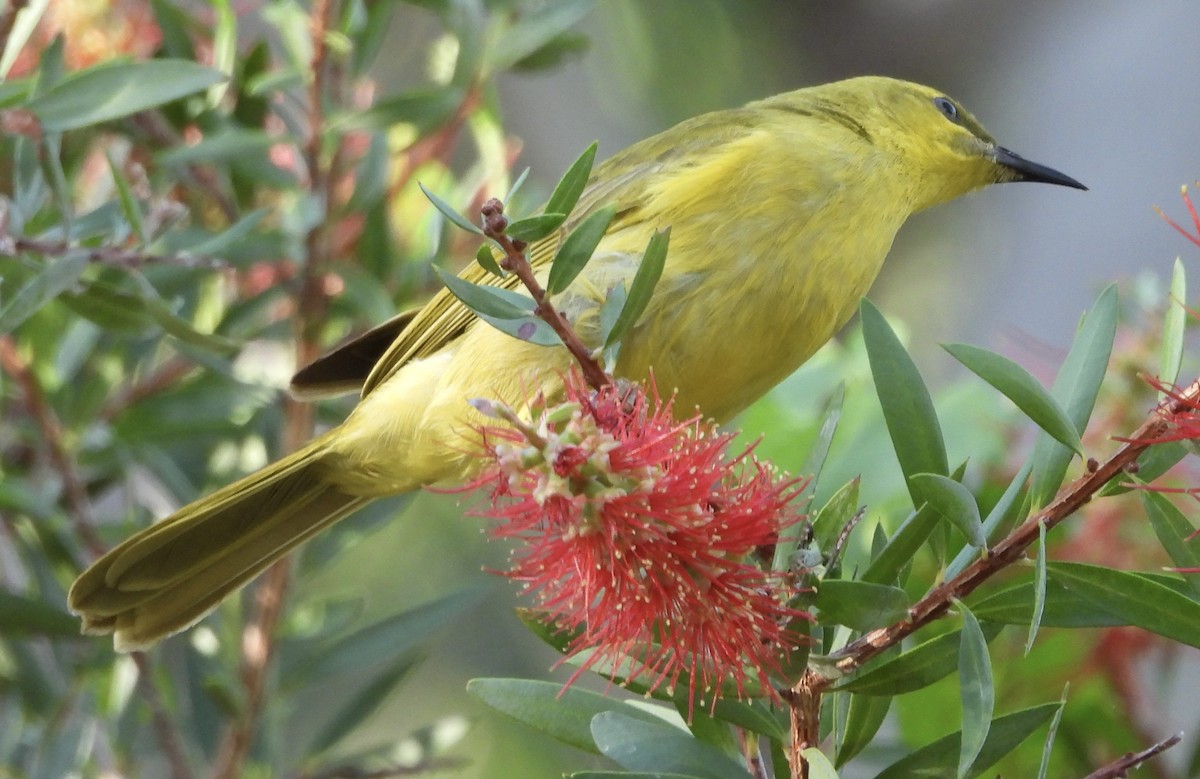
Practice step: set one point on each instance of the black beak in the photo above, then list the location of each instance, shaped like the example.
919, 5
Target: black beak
1031, 171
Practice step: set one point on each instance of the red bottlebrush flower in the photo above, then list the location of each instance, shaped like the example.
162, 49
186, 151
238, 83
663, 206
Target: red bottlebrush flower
1180, 410
1187, 201
639, 538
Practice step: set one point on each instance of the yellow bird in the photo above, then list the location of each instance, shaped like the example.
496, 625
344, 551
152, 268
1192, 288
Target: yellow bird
781, 214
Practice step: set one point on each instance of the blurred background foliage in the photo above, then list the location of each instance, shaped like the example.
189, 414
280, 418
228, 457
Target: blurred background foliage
137, 375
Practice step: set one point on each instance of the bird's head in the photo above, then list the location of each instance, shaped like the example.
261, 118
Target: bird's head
936, 141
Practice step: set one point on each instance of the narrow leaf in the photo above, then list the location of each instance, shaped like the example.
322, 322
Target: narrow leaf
55, 278
516, 187
1174, 324
111, 91
129, 204
832, 518
907, 408
885, 567
640, 746
814, 463
361, 705
1016, 383
1051, 732
534, 228
1075, 388
449, 212
867, 713
527, 328
954, 502
487, 259
976, 690
22, 616
860, 605
999, 513
563, 713
919, 667
939, 760
819, 766
578, 248
1039, 588
642, 288
566, 193
1174, 531
487, 300
1134, 598
230, 237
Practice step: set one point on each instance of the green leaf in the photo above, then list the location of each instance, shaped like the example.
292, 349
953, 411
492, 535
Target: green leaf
919, 667
819, 766
644, 281
53, 279
752, 715
381, 641
449, 212
1039, 589
1174, 532
487, 259
166, 318
999, 513
1014, 605
535, 30
129, 204
362, 705
534, 228
231, 236
486, 300
564, 713
977, 692
1134, 598
527, 328
578, 248
1051, 732
814, 463
22, 616
866, 715
1174, 324
111, 91
516, 186
627, 775
641, 746
225, 146
954, 502
833, 517
907, 408
860, 605
23, 26
1016, 383
425, 109
566, 193
885, 567
1075, 388
939, 760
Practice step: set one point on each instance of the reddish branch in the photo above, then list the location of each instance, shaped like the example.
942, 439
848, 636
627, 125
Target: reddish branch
515, 262
1069, 500
1123, 765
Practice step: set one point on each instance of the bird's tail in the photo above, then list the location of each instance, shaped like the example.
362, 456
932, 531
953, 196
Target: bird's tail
171, 574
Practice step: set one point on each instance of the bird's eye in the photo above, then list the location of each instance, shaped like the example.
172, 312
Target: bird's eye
947, 107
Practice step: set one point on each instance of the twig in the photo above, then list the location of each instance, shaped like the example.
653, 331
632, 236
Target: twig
8, 18
51, 430
494, 226
258, 635
938, 600
106, 255
1121, 766
164, 377
168, 734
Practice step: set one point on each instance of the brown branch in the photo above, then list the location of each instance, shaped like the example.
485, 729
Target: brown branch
164, 377
312, 299
168, 734
804, 705
515, 261
1069, 500
74, 490
106, 255
1121, 766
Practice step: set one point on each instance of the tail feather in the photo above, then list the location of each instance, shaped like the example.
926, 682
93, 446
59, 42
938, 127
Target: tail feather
167, 577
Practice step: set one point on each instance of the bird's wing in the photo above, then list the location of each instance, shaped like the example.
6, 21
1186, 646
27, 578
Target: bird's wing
618, 182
